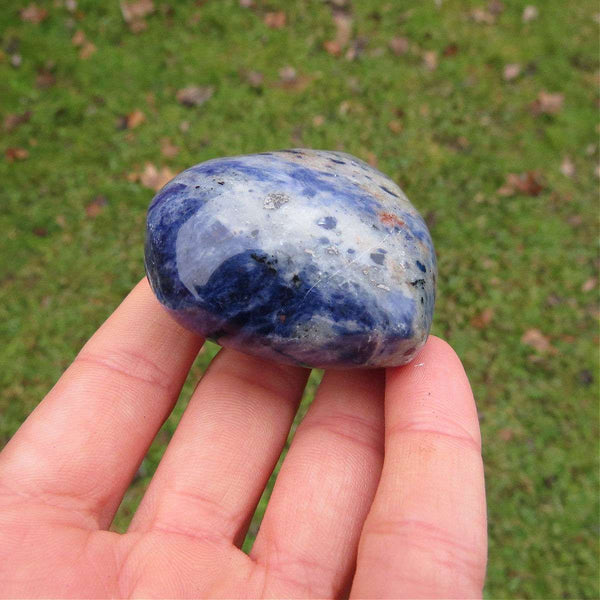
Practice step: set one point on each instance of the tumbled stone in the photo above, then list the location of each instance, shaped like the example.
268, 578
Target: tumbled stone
300, 256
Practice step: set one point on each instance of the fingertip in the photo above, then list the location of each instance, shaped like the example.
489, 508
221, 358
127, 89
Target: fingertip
435, 385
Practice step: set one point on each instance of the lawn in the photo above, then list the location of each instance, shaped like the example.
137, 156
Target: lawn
485, 113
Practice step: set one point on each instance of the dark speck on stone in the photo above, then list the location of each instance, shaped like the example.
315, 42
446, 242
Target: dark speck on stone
377, 258
421, 266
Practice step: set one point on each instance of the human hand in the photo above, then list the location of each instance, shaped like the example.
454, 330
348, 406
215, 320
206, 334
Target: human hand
375, 499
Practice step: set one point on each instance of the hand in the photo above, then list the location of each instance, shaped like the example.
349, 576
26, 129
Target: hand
364, 505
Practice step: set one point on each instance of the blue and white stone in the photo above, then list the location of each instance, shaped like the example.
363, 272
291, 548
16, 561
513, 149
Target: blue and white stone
306, 257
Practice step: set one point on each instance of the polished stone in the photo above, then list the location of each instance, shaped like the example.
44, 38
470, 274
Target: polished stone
306, 257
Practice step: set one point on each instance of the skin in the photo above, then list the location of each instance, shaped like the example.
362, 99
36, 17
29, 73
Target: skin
380, 496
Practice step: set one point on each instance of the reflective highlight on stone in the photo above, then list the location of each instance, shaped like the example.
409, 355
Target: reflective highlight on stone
306, 257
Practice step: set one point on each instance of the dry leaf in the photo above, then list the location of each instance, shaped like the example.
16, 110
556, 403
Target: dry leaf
318, 120
155, 179
96, 206
87, 50
167, 148
525, 183
430, 60
495, 7
255, 79
538, 341
505, 434
136, 10
481, 15
135, 118
395, 126
567, 168
332, 47
44, 79
511, 71
530, 13
547, 103
195, 95
246, 3
589, 285
450, 50
483, 319
288, 74
33, 14
372, 159
78, 38
13, 154
399, 45
343, 30
275, 20
12, 121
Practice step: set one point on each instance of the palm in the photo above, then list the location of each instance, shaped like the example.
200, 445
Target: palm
366, 504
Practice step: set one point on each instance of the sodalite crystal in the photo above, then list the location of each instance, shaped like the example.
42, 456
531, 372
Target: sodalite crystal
299, 256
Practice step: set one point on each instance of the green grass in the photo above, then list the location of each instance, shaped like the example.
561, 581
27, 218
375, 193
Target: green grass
526, 258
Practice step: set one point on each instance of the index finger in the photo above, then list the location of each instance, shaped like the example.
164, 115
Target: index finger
425, 536
81, 446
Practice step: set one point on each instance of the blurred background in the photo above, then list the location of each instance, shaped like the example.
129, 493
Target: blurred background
485, 113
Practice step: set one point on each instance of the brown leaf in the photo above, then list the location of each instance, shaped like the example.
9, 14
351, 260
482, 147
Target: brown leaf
33, 14
87, 50
505, 434
430, 60
589, 284
44, 79
137, 9
96, 206
318, 120
195, 95
246, 3
288, 74
155, 179
255, 79
275, 20
525, 183
399, 45
567, 168
450, 50
78, 38
372, 159
332, 47
535, 339
530, 13
13, 154
495, 7
167, 148
343, 27
483, 319
12, 121
395, 126
511, 71
40, 231
135, 118
481, 15
547, 103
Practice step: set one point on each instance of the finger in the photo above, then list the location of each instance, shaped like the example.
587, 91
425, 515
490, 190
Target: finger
81, 446
310, 532
224, 450
425, 536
